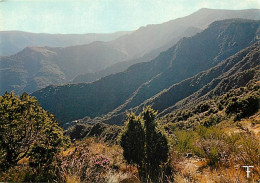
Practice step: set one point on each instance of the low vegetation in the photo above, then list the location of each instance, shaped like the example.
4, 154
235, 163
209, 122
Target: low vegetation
27, 131
235, 104
206, 142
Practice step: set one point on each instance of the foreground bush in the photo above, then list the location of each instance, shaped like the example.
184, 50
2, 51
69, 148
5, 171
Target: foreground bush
27, 131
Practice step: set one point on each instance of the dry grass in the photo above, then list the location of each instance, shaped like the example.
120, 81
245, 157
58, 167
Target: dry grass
196, 169
72, 179
24, 161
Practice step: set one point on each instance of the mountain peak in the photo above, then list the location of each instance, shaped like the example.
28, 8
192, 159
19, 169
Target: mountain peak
35, 50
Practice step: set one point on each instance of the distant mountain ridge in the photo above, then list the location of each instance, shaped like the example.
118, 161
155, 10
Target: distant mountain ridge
37, 67
14, 41
152, 37
61, 65
167, 34
128, 89
221, 40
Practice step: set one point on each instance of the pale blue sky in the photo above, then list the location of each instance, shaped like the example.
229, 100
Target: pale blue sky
101, 16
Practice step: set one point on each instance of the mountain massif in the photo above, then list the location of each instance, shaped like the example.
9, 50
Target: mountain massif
37, 67
128, 89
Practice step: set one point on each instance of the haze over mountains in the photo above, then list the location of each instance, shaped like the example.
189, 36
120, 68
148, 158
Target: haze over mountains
121, 66
13, 41
37, 67
128, 89
149, 41
152, 37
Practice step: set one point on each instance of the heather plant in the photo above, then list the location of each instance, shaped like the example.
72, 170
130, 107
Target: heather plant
219, 148
245, 148
81, 164
215, 151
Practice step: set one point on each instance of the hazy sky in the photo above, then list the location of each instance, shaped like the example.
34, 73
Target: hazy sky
101, 16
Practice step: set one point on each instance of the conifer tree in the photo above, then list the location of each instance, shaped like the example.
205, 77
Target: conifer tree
142, 134
132, 141
156, 144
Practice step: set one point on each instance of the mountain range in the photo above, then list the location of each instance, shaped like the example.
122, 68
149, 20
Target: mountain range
34, 68
142, 82
234, 72
167, 34
14, 41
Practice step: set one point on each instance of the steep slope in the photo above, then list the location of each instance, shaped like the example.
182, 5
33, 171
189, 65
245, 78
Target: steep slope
95, 98
187, 58
14, 41
152, 37
190, 56
234, 72
229, 107
121, 66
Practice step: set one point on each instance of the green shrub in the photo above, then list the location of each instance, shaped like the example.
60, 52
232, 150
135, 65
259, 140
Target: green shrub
27, 130
202, 108
215, 151
247, 149
133, 140
185, 141
145, 145
243, 107
211, 120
